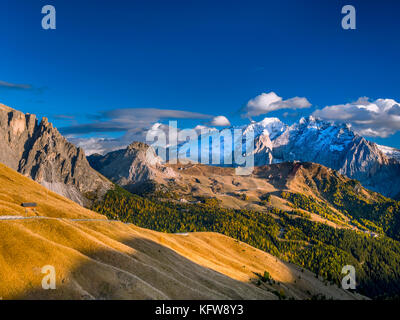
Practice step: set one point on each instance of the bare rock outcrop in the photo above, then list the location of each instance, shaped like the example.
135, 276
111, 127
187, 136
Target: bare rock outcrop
37, 150
132, 166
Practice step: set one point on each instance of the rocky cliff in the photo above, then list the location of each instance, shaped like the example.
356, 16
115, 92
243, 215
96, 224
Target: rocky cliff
37, 150
132, 166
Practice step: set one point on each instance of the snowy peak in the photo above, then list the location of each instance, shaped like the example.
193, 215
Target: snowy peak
305, 121
321, 135
312, 122
310, 139
390, 152
273, 127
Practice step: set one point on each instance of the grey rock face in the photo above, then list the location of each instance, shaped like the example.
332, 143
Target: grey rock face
37, 150
263, 150
132, 166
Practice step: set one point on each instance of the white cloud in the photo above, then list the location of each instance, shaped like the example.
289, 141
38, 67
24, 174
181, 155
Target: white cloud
134, 123
379, 118
267, 102
219, 121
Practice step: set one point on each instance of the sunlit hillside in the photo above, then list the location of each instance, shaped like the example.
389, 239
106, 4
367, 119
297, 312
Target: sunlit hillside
99, 259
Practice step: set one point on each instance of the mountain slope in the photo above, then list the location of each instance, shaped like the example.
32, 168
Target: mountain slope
139, 170
95, 258
39, 151
336, 199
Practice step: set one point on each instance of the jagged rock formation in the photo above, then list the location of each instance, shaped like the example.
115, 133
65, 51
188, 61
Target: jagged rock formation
37, 150
132, 166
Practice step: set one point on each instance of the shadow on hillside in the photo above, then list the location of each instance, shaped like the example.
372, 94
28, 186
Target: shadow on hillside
277, 174
153, 271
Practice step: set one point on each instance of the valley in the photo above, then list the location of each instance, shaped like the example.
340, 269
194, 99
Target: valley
288, 235
96, 258
135, 227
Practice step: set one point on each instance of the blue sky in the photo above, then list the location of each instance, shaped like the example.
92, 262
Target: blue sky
205, 57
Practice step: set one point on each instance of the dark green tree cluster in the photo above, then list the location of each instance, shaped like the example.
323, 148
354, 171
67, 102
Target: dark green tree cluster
370, 209
310, 204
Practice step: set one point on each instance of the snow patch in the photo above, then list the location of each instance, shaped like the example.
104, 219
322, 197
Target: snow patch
390, 152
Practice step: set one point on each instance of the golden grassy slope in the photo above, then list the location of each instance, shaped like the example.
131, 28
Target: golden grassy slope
101, 259
15, 189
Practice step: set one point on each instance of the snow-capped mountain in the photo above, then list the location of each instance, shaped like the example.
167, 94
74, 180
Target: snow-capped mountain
318, 141
340, 148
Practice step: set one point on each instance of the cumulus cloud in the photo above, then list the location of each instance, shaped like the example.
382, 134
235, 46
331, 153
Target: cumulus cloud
219, 121
9, 85
267, 102
379, 118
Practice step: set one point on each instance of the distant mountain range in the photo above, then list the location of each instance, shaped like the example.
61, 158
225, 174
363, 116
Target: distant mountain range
336, 146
